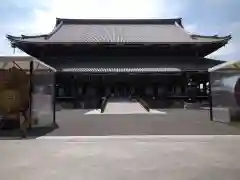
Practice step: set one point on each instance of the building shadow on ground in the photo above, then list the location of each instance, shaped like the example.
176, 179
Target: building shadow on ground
31, 133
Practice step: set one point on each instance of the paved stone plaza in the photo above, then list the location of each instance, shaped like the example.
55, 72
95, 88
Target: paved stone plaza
169, 122
107, 158
181, 144
174, 122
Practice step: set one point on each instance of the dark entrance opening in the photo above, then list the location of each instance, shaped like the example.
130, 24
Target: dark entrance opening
161, 90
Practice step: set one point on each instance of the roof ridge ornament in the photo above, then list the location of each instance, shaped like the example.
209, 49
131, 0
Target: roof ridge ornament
179, 22
54, 30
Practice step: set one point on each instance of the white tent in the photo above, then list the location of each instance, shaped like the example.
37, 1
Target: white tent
23, 62
227, 66
224, 80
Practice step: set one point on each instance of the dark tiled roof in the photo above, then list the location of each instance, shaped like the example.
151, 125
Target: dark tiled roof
120, 70
131, 64
119, 31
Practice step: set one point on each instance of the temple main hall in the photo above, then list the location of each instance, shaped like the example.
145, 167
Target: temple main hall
155, 60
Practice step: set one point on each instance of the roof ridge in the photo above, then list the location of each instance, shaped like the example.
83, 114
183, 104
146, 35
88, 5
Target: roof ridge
119, 21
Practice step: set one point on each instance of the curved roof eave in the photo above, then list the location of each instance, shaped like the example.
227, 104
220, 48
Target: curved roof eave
43, 39
45, 36
228, 37
19, 40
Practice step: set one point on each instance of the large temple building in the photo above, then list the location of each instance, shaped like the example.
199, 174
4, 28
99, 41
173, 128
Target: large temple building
156, 60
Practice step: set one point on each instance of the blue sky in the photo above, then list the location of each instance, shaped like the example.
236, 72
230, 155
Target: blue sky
208, 17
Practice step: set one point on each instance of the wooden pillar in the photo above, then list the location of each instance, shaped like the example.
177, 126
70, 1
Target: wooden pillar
188, 77
30, 94
210, 98
75, 90
54, 97
155, 90
100, 90
183, 84
205, 87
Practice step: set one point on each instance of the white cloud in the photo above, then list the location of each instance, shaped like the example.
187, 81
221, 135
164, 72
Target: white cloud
231, 50
228, 52
224, 51
104, 9
191, 28
112, 8
44, 19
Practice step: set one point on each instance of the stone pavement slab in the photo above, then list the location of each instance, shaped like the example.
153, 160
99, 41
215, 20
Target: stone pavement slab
124, 107
174, 122
129, 158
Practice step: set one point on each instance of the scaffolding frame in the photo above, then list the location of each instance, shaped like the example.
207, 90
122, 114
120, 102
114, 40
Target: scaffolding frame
29, 65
